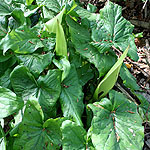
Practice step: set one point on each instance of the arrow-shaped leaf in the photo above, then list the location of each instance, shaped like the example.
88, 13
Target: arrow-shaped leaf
77, 134
23, 40
47, 89
71, 97
34, 133
116, 124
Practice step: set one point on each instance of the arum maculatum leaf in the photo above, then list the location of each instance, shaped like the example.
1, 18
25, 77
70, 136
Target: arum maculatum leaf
9, 102
34, 133
47, 88
71, 97
73, 135
116, 124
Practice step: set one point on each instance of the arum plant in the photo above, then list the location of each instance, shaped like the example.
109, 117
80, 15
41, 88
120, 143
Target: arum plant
110, 78
54, 26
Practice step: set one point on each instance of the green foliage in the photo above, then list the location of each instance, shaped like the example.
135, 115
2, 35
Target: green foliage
128, 80
77, 134
34, 133
138, 35
116, 124
71, 97
9, 102
22, 40
54, 58
5, 9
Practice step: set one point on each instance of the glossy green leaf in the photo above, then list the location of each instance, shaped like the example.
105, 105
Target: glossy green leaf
110, 78
22, 40
49, 41
23, 82
36, 63
47, 14
110, 25
18, 15
5, 9
102, 46
53, 53
83, 13
4, 79
116, 124
7, 64
3, 26
128, 79
71, 97
85, 73
9, 102
47, 88
73, 136
5, 57
30, 12
74, 57
143, 107
81, 39
114, 28
53, 5
63, 65
34, 133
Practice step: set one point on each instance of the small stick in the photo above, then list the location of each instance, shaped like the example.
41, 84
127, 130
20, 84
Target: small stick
145, 4
134, 63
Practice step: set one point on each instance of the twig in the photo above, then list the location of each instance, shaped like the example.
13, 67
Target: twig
134, 63
124, 8
140, 23
147, 44
145, 4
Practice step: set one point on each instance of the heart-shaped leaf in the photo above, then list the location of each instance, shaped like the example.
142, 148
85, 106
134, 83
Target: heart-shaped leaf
47, 89
112, 27
34, 133
36, 63
116, 124
71, 97
9, 102
77, 134
81, 39
22, 40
